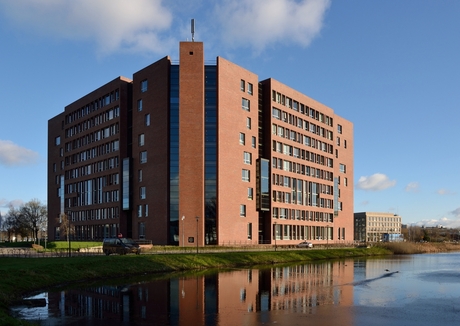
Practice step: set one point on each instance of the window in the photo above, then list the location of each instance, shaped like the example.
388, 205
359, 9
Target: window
141, 140
144, 85
249, 231
242, 85
142, 193
254, 142
249, 88
57, 141
143, 157
139, 175
276, 113
250, 193
339, 129
343, 168
139, 210
141, 230
247, 158
139, 105
248, 123
243, 210
242, 138
147, 119
245, 104
245, 175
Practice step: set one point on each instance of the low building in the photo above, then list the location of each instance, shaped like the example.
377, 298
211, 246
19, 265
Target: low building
374, 227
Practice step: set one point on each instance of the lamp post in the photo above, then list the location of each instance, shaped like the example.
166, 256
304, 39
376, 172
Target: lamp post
275, 233
197, 218
68, 232
183, 231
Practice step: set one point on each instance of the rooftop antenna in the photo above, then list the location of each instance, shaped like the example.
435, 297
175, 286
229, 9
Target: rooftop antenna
193, 30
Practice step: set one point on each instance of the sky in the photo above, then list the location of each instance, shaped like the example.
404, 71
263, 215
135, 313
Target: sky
391, 67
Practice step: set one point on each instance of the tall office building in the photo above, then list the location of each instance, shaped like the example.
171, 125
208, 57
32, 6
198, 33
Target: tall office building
196, 154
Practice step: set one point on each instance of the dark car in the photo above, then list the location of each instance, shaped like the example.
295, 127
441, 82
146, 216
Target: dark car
305, 244
121, 246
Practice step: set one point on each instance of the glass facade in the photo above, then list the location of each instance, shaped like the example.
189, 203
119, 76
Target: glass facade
174, 155
210, 161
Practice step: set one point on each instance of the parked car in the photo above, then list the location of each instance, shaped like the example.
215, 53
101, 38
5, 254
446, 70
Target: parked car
121, 246
305, 244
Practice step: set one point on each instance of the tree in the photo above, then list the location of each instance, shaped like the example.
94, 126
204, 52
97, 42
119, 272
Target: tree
65, 227
34, 215
14, 223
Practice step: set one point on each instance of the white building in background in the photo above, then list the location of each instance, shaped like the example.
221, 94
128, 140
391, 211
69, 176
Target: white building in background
372, 226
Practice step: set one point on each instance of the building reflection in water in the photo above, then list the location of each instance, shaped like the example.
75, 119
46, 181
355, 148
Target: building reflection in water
227, 298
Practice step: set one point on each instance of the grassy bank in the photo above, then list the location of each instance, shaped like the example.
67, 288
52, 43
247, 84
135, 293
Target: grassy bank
22, 275
408, 248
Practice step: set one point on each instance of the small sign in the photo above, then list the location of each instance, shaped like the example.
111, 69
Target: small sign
191, 239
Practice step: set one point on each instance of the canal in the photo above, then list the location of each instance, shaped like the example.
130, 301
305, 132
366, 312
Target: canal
395, 290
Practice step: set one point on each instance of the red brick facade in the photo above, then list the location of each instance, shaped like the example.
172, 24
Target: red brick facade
309, 149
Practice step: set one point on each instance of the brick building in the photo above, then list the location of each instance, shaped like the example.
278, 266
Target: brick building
196, 154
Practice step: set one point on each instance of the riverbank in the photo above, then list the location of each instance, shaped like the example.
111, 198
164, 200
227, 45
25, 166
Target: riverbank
410, 248
21, 276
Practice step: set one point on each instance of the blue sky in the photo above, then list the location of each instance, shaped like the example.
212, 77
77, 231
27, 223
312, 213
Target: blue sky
389, 66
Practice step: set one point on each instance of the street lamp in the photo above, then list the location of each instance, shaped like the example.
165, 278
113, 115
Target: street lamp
197, 218
183, 231
275, 233
68, 231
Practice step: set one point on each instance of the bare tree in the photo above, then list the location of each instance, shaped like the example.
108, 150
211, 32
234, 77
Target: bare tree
34, 215
14, 224
65, 227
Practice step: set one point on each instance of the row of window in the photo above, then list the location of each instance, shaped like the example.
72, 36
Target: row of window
290, 166
92, 137
92, 232
143, 210
298, 152
302, 169
94, 121
100, 166
95, 214
301, 215
243, 140
299, 107
93, 106
300, 198
306, 232
243, 87
294, 184
299, 123
103, 149
91, 192
302, 139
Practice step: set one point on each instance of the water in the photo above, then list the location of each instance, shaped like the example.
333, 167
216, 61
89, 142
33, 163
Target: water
398, 290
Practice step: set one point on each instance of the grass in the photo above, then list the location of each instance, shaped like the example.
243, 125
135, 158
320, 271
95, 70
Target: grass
408, 248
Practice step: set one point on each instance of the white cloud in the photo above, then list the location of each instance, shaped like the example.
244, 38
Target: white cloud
261, 23
444, 192
444, 221
133, 25
412, 187
147, 25
12, 154
7, 203
375, 182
